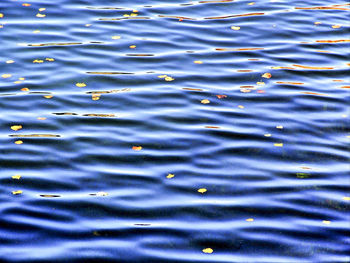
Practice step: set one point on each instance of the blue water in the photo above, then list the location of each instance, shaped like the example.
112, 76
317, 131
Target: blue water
270, 154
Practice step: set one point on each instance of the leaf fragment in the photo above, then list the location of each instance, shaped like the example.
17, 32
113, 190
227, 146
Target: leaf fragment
18, 192
95, 96
267, 75
18, 142
40, 15
80, 84
169, 176
240, 106
249, 219
208, 250
5, 76
48, 96
16, 177
168, 78
205, 101
41, 118
278, 144
24, 89
116, 37
245, 90
42, 9
326, 222
38, 61
50, 59
137, 148
221, 96
16, 127
26, 4
198, 62
201, 190
279, 127
267, 135
10, 61
346, 198
132, 46
235, 27
302, 175
336, 26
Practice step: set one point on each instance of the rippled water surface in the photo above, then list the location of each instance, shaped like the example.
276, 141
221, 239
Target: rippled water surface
174, 131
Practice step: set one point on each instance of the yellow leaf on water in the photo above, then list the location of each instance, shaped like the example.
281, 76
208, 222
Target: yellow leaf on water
49, 59
326, 222
267, 135
208, 250
336, 26
279, 127
132, 46
21, 78
346, 198
251, 3
170, 176
278, 144
42, 9
17, 192
202, 190
80, 84
17, 177
318, 23
235, 27
241, 106
41, 118
198, 62
135, 11
1, 15
5, 76
267, 75
162, 76
87, 25
126, 15
249, 219
95, 96
48, 96
17, 82
133, 14
38, 61
260, 83
16, 127
137, 148
18, 142
40, 15
116, 37
205, 101
24, 89
10, 61
36, 31
167, 78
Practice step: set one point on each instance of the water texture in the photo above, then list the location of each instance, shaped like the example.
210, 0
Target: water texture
174, 131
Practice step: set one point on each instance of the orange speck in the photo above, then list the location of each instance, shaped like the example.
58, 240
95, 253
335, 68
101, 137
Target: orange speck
137, 148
